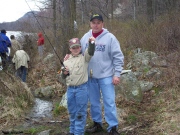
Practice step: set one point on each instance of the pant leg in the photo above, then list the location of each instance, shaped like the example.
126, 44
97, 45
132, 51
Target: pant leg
23, 73
41, 50
81, 109
71, 105
18, 73
4, 60
94, 98
108, 93
1, 68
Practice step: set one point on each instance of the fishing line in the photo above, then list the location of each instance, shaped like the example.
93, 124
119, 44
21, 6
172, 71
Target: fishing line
44, 32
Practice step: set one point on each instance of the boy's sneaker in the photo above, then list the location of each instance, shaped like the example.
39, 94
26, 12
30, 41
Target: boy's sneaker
113, 131
95, 128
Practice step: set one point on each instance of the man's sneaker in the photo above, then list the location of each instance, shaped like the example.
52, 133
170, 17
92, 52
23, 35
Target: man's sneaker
113, 131
95, 128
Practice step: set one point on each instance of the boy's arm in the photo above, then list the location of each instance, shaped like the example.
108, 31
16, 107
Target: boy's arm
89, 52
91, 47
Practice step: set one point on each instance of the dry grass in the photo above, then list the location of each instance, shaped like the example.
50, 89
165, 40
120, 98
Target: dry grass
15, 98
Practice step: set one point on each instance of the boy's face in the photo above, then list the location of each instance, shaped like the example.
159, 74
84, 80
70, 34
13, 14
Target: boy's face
75, 50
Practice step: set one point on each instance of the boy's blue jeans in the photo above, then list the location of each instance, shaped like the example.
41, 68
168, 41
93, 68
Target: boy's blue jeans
104, 87
77, 99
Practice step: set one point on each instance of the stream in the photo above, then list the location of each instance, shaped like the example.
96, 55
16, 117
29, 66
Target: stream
42, 108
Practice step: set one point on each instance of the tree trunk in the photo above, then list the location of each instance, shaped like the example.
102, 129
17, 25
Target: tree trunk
54, 23
150, 11
69, 15
112, 9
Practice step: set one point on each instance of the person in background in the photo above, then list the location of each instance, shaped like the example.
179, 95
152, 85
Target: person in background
4, 51
40, 44
76, 75
15, 45
21, 59
104, 73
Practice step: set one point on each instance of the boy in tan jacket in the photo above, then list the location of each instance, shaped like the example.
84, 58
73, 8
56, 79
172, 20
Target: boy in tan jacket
76, 76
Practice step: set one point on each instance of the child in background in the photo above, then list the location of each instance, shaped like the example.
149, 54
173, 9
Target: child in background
40, 43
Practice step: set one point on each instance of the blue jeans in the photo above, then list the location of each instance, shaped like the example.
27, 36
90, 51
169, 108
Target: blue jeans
103, 86
77, 100
21, 73
41, 50
4, 60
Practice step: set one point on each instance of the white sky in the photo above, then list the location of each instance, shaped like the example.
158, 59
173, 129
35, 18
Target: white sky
12, 10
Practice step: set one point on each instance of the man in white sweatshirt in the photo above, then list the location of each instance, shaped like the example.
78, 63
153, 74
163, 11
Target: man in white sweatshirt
104, 72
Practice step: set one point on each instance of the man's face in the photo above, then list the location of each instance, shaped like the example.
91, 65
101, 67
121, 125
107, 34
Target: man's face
96, 25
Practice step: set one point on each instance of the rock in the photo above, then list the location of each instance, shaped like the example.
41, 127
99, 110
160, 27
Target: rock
129, 87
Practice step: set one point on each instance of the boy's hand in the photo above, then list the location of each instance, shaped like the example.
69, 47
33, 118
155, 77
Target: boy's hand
65, 71
91, 47
92, 40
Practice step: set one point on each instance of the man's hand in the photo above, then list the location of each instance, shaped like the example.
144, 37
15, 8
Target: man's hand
116, 80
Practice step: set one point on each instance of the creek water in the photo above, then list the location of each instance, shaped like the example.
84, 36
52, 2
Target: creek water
42, 108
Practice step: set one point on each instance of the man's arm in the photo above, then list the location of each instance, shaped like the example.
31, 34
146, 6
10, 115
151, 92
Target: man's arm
8, 42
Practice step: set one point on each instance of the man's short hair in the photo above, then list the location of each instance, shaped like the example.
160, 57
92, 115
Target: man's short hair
3, 31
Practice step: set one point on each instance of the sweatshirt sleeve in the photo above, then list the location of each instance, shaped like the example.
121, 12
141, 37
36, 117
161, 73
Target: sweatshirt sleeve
117, 57
8, 42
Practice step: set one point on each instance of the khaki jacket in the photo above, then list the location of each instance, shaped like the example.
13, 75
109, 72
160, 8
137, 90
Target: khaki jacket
15, 45
20, 58
77, 66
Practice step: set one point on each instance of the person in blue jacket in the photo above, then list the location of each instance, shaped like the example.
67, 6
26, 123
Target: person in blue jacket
104, 73
4, 44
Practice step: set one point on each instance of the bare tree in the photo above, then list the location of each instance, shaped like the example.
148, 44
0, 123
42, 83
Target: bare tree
69, 15
150, 11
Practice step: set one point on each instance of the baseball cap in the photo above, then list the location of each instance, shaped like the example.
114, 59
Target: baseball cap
74, 42
96, 16
3, 31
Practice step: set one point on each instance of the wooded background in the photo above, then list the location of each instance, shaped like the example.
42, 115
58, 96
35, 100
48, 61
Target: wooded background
61, 20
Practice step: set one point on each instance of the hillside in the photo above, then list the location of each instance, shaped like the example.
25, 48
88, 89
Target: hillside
21, 23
